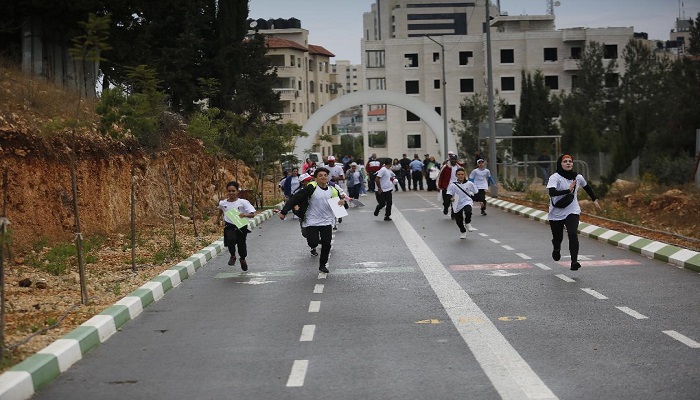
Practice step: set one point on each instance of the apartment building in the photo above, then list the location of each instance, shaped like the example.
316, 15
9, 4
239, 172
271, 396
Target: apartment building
399, 55
305, 80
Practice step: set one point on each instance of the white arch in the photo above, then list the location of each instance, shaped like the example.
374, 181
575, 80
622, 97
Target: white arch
426, 113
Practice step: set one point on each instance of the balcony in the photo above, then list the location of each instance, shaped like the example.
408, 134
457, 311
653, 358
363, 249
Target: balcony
573, 35
287, 93
571, 64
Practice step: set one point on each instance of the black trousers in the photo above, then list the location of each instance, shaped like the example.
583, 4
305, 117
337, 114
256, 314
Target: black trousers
480, 196
417, 177
323, 235
354, 191
235, 237
463, 216
446, 201
384, 199
371, 182
571, 224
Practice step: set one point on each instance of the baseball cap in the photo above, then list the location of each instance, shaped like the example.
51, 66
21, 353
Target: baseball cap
353, 164
305, 177
331, 158
452, 155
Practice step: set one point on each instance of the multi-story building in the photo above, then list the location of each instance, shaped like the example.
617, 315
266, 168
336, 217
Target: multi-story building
349, 78
305, 78
400, 53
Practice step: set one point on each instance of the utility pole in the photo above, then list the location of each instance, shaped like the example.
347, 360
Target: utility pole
493, 167
444, 100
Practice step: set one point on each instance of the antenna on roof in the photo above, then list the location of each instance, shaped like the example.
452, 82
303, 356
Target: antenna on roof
550, 6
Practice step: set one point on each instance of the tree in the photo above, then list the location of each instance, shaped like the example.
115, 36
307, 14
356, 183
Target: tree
474, 110
538, 109
694, 46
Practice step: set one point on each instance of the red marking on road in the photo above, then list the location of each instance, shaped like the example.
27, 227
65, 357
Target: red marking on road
482, 267
601, 263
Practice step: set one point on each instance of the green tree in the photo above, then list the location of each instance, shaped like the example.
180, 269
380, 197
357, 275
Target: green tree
474, 110
538, 110
694, 45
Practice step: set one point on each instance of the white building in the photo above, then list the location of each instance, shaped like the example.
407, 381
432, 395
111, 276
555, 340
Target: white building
397, 56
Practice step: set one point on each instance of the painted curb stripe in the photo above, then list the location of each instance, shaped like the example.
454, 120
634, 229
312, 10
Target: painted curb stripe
660, 251
24, 379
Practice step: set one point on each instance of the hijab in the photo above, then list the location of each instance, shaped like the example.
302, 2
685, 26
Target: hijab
570, 175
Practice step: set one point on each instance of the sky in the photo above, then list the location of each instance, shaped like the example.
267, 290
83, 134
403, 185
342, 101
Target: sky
337, 24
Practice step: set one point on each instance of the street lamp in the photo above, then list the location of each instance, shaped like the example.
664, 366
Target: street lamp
444, 99
493, 167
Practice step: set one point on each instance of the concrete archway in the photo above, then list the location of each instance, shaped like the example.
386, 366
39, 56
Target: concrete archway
426, 113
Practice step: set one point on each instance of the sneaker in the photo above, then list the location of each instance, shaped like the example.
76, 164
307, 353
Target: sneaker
463, 235
244, 264
470, 228
556, 255
314, 252
575, 265
340, 220
335, 228
387, 218
483, 211
376, 212
232, 260
323, 268
444, 210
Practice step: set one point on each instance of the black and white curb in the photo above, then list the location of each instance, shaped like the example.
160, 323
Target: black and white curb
661, 251
26, 378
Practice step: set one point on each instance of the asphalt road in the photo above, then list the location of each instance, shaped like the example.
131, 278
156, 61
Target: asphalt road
409, 311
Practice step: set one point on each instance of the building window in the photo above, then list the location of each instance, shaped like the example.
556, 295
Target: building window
507, 83
464, 57
311, 67
550, 54
411, 117
413, 141
312, 86
377, 139
298, 62
294, 107
436, 57
376, 84
411, 60
509, 112
375, 58
576, 53
300, 84
466, 85
438, 110
507, 56
291, 60
574, 82
412, 87
610, 51
612, 80
313, 107
436, 84
552, 82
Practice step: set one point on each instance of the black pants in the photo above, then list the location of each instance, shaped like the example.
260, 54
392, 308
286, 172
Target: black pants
384, 199
417, 177
320, 234
354, 191
371, 182
446, 201
480, 196
235, 237
557, 227
463, 216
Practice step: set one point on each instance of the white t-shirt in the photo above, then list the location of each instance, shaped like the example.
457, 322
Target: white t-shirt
336, 172
294, 183
461, 198
480, 177
386, 179
558, 182
320, 212
241, 205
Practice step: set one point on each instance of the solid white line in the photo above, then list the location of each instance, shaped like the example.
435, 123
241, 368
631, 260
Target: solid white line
318, 288
307, 333
594, 293
505, 246
564, 278
523, 256
298, 374
631, 312
314, 306
509, 373
542, 266
494, 241
683, 339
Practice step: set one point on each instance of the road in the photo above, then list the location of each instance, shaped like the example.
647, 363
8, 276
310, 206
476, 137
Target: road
409, 311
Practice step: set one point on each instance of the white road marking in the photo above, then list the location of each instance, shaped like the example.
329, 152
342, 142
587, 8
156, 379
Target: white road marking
501, 272
594, 293
564, 278
631, 312
494, 241
307, 333
505, 246
509, 373
315, 306
683, 339
523, 256
318, 288
542, 266
483, 234
322, 275
298, 374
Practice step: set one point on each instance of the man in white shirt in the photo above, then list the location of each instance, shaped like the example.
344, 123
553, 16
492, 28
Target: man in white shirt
385, 184
335, 171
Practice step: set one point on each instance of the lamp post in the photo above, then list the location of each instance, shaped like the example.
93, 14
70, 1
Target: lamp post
444, 100
493, 167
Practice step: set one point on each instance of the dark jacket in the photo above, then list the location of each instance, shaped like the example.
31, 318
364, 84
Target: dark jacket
301, 199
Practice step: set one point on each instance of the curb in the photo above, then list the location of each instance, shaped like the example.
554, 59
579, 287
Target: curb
674, 255
26, 378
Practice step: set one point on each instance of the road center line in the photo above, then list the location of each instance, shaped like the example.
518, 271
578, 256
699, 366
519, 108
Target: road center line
594, 294
683, 339
542, 266
307, 333
505, 246
495, 241
298, 374
314, 306
318, 288
509, 373
631, 312
523, 256
564, 278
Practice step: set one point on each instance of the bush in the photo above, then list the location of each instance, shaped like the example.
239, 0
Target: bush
669, 170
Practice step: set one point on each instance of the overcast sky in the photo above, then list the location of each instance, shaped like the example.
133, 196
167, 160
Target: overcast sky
337, 24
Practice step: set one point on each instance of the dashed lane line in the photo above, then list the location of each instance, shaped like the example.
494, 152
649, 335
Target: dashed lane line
298, 374
564, 278
543, 267
307, 333
683, 339
314, 306
318, 288
523, 256
595, 294
631, 312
